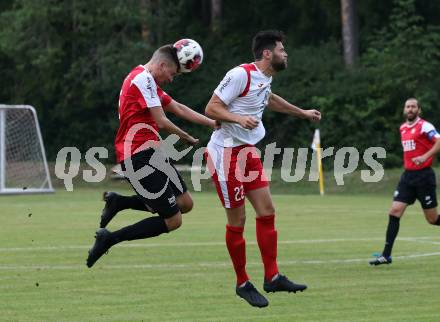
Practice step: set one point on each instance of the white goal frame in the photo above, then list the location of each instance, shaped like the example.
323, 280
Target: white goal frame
45, 186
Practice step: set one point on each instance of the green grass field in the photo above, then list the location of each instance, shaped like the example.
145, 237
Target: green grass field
324, 242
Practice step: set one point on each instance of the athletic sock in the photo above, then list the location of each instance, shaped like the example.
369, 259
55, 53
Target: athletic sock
130, 202
146, 228
237, 251
137, 203
392, 230
267, 242
437, 223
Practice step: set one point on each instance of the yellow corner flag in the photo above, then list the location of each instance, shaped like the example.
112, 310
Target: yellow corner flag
316, 145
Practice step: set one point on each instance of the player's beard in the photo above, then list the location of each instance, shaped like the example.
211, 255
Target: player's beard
410, 117
278, 64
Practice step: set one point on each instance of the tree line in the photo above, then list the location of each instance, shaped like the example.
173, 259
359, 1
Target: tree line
356, 61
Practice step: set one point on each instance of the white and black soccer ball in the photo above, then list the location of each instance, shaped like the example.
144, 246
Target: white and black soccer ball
189, 53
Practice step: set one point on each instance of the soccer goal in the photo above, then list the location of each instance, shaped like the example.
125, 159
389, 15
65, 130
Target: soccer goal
23, 165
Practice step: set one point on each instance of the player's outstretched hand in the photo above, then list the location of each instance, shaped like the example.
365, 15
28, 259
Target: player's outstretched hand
193, 141
248, 122
313, 115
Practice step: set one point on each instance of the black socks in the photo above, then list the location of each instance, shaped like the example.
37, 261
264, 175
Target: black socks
392, 230
146, 228
132, 202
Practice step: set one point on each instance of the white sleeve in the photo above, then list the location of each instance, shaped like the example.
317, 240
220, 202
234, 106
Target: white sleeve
232, 85
147, 86
430, 131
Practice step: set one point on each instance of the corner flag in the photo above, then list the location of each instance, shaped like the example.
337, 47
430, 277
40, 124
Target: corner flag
316, 146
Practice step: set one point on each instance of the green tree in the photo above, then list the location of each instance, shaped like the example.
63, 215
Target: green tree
365, 107
68, 60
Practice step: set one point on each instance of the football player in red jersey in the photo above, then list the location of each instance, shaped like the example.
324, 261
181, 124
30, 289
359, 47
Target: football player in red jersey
159, 188
420, 142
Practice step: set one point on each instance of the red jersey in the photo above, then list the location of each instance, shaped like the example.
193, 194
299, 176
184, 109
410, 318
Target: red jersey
138, 94
417, 139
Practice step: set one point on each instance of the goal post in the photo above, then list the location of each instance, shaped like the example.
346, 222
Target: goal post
23, 164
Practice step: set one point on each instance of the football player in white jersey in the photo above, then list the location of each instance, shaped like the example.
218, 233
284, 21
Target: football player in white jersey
238, 103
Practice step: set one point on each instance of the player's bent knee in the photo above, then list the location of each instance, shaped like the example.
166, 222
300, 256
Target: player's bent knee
432, 220
238, 221
269, 210
185, 203
396, 211
431, 216
264, 207
174, 222
186, 206
236, 216
242, 220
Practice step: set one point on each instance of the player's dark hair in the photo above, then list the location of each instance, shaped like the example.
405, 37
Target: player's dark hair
266, 39
168, 52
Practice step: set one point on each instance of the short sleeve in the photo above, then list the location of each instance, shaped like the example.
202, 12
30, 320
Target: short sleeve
165, 99
429, 130
147, 86
232, 85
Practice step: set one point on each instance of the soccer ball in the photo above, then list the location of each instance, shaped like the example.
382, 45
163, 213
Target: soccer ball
189, 53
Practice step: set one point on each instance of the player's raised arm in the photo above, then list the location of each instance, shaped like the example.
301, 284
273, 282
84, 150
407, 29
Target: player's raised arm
184, 112
218, 110
232, 86
165, 124
279, 104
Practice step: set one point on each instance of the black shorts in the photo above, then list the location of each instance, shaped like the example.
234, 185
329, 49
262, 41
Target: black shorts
159, 186
418, 184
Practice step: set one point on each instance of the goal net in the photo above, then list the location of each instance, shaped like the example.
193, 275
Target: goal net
23, 165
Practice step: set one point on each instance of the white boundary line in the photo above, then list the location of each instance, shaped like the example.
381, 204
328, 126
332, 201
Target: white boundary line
212, 264
426, 239
204, 264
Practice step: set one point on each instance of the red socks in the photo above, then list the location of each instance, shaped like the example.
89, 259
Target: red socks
237, 251
267, 241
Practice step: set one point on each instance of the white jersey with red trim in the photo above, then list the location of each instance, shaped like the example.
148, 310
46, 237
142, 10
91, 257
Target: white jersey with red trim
245, 90
417, 139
